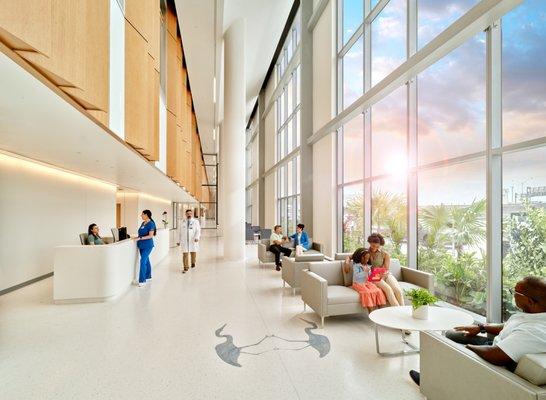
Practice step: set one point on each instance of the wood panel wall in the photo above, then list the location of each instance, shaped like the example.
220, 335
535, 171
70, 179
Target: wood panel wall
184, 152
142, 37
67, 41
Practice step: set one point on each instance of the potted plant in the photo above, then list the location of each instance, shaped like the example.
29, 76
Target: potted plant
164, 220
420, 300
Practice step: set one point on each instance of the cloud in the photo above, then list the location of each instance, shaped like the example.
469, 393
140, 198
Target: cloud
524, 73
451, 104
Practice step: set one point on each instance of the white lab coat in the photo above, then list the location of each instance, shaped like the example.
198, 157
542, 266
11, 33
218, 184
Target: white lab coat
187, 235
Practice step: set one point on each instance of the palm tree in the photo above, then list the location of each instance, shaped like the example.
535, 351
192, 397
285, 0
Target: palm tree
467, 225
434, 221
354, 216
390, 213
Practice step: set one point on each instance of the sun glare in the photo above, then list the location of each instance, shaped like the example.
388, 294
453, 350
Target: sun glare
398, 165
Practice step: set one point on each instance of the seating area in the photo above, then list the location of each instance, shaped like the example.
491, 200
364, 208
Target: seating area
265, 256
327, 289
302, 200
449, 371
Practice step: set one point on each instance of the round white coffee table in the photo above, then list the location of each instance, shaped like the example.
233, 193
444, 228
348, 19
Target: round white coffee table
439, 319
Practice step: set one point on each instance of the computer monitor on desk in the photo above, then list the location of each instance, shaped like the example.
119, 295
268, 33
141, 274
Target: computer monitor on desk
123, 233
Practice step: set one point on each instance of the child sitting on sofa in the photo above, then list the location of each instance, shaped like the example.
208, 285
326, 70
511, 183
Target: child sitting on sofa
370, 295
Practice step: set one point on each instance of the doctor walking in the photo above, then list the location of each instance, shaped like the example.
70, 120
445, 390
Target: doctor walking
189, 235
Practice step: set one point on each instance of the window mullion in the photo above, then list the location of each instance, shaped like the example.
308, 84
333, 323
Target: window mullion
367, 189
494, 173
412, 140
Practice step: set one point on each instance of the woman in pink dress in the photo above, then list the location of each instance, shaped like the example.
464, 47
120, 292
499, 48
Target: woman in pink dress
371, 296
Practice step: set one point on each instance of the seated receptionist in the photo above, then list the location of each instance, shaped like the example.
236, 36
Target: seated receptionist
93, 236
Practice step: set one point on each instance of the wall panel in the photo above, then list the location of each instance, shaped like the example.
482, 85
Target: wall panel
26, 25
136, 88
172, 71
172, 146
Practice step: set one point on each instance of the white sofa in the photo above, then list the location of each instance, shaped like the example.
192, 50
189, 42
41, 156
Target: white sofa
293, 266
327, 289
449, 371
265, 256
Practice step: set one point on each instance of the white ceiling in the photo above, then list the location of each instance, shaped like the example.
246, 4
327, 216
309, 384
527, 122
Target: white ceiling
202, 24
36, 122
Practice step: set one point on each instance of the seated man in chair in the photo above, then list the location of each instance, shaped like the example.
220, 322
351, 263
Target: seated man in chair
277, 240
523, 333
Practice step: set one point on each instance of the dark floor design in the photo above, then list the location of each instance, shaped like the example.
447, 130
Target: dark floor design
229, 352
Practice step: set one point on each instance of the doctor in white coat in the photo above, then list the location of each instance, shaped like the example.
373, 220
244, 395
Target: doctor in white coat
189, 233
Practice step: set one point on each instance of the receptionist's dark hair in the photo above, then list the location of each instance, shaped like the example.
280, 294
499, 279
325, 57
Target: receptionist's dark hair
90, 230
149, 214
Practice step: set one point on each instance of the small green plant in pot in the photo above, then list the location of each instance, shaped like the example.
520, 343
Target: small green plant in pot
420, 300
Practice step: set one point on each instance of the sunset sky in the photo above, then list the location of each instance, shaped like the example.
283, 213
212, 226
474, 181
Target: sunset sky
451, 100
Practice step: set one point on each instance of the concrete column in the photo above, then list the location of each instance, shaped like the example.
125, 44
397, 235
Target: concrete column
232, 142
306, 113
261, 159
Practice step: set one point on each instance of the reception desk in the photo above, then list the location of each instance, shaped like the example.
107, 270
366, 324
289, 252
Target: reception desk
100, 273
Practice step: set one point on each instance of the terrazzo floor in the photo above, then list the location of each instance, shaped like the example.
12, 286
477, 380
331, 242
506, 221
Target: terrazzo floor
158, 342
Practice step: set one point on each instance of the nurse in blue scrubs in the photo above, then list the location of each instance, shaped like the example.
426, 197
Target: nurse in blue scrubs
145, 244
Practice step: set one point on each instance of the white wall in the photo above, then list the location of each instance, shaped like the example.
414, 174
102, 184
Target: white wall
270, 201
324, 166
270, 87
41, 208
162, 162
255, 205
116, 113
132, 205
255, 158
270, 139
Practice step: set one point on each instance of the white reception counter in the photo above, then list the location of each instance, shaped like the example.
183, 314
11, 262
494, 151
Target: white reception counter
99, 273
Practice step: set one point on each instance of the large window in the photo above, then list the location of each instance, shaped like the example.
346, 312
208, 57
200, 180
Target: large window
451, 232
353, 12
524, 219
524, 119
452, 104
350, 51
351, 174
388, 39
353, 216
421, 151
288, 132
353, 76
389, 214
288, 116
436, 15
288, 199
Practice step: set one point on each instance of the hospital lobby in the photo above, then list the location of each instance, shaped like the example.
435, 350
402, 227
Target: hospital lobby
273, 199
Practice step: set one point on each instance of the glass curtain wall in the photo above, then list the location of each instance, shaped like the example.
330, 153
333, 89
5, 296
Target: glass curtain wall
524, 133
427, 140
288, 132
251, 157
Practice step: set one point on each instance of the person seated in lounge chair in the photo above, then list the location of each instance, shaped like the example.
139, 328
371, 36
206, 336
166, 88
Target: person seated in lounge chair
300, 238
277, 240
370, 295
379, 258
523, 333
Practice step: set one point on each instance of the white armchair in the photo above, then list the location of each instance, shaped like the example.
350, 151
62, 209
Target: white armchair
449, 371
